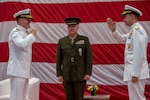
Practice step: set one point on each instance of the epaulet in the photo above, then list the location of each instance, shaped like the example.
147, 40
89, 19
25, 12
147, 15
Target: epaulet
17, 29
136, 27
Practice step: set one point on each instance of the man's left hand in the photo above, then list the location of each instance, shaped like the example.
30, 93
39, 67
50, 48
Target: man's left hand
86, 77
134, 79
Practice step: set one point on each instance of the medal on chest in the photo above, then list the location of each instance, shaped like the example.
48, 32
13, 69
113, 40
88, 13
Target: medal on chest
80, 51
129, 46
129, 39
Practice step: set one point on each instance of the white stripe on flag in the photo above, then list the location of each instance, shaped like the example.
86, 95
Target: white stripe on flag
98, 33
101, 75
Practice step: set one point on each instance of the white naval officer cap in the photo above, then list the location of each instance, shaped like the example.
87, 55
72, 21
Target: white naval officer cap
131, 10
26, 13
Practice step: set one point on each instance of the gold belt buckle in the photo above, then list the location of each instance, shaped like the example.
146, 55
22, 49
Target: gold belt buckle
72, 59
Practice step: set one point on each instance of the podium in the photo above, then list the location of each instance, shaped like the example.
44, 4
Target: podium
97, 97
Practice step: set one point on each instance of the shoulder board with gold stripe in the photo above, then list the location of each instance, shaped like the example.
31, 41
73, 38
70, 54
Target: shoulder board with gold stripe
136, 27
17, 29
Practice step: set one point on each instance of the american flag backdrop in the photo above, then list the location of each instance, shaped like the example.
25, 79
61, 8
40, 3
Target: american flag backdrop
108, 54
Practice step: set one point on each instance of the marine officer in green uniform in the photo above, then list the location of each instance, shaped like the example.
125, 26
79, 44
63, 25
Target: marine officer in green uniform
74, 61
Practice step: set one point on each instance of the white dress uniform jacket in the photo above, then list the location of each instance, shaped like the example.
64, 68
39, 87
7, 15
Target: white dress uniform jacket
135, 52
20, 53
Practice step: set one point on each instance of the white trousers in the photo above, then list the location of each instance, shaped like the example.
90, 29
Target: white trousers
136, 90
19, 88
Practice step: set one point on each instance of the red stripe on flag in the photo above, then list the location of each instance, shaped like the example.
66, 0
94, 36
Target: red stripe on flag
43, 52
102, 53
117, 92
4, 52
88, 12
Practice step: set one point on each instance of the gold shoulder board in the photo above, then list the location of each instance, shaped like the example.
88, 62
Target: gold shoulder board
136, 27
17, 29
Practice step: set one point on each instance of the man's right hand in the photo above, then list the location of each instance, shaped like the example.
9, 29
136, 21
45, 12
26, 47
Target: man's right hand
34, 29
60, 78
111, 24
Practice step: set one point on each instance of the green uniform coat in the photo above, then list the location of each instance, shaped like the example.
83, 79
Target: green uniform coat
73, 61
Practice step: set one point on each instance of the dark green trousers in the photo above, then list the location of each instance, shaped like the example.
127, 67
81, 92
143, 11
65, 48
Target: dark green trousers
74, 90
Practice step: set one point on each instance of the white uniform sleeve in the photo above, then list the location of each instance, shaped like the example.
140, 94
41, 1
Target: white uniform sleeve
138, 54
119, 37
23, 42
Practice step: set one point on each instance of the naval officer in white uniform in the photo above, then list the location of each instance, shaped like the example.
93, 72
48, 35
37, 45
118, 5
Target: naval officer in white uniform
136, 69
20, 54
